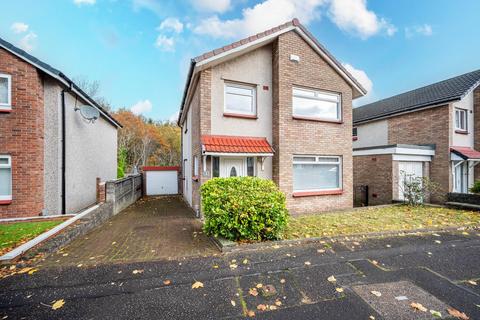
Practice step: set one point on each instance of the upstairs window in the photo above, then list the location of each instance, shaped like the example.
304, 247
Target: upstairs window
5, 92
316, 105
461, 120
240, 99
5, 178
354, 133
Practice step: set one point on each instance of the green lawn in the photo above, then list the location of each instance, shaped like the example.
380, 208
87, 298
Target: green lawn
368, 220
14, 234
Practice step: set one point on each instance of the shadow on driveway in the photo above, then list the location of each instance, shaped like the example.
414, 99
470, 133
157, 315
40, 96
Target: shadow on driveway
153, 228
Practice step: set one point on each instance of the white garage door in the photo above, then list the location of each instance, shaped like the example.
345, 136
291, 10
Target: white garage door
409, 170
161, 182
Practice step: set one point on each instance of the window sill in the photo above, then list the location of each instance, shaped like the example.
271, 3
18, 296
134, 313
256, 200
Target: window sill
354, 138
5, 109
317, 193
461, 131
3, 202
316, 119
239, 115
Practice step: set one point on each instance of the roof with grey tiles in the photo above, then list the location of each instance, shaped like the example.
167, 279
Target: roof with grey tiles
441, 92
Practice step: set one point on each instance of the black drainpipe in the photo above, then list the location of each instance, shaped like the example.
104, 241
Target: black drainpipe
64, 196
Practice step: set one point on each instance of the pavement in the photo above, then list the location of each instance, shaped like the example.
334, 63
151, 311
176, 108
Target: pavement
290, 282
153, 228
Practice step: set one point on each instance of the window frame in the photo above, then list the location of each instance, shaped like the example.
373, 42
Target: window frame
459, 111
7, 106
316, 93
251, 87
8, 166
318, 158
195, 166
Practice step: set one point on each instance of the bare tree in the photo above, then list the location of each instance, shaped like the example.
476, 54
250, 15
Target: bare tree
92, 88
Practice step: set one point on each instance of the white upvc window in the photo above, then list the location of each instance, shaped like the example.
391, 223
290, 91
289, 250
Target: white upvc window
317, 173
240, 99
316, 105
461, 122
5, 178
5, 92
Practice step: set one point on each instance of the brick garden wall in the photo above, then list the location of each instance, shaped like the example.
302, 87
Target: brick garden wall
22, 137
376, 171
292, 136
426, 127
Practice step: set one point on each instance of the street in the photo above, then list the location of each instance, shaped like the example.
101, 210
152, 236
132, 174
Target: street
372, 279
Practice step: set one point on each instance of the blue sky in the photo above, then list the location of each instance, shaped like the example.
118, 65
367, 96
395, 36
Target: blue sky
139, 50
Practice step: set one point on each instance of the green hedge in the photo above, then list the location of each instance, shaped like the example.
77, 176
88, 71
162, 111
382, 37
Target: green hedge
243, 208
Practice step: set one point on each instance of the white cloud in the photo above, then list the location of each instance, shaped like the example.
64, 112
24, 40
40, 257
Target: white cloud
81, 2
174, 117
152, 5
366, 83
353, 16
424, 30
165, 43
260, 17
212, 5
28, 42
171, 24
141, 107
19, 27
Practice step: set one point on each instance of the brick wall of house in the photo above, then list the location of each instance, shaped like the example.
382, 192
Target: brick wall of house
476, 126
21, 137
375, 171
425, 127
294, 136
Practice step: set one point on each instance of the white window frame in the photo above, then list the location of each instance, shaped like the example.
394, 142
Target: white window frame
8, 105
316, 96
318, 160
195, 166
253, 89
355, 132
8, 166
459, 114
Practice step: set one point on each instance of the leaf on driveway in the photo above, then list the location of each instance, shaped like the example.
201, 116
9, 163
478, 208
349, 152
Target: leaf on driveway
472, 282
253, 292
418, 306
436, 313
376, 293
438, 241
32, 271
282, 280
233, 266
307, 263
233, 303
58, 304
197, 285
457, 314
331, 279
278, 303
262, 307
24, 270
259, 285
251, 313
340, 290
137, 271
320, 250
245, 261
167, 282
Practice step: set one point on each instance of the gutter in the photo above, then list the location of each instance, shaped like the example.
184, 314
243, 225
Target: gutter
185, 91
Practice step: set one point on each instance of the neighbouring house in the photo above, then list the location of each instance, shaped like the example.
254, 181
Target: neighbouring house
50, 156
433, 131
276, 105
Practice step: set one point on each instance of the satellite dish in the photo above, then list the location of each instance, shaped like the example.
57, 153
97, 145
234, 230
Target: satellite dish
89, 113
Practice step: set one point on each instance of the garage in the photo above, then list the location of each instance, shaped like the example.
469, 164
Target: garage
408, 170
160, 180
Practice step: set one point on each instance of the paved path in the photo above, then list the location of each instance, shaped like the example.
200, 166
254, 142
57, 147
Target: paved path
153, 228
430, 269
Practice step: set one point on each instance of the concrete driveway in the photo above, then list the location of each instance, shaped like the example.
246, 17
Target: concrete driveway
154, 228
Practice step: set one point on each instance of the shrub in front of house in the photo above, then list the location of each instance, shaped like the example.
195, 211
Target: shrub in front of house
243, 208
476, 187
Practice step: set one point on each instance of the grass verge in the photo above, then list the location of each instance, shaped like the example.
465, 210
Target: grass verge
371, 219
14, 234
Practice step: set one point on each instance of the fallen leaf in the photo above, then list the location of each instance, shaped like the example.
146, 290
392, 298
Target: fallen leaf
259, 285
438, 241
24, 270
273, 308
32, 271
65, 254
137, 271
167, 282
251, 313
233, 266
389, 245
58, 304
371, 318
307, 263
12, 267
262, 307
253, 292
457, 314
114, 243
282, 281
418, 307
376, 293
215, 267
233, 303
375, 262
276, 246
331, 279
197, 285
472, 282
245, 261
436, 313
278, 303
356, 243
465, 233
79, 265
435, 234
320, 250
339, 290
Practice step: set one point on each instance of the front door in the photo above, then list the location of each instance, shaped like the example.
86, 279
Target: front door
232, 167
461, 174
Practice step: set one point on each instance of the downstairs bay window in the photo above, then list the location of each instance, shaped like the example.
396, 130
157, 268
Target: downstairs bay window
5, 179
317, 174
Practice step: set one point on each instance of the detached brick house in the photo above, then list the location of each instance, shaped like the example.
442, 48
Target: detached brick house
433, 131
276, 105
50, 156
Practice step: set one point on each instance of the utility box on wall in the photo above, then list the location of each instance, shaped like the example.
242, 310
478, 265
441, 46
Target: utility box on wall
160, 180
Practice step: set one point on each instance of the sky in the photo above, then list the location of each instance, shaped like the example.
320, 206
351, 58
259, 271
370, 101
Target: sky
139, 50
